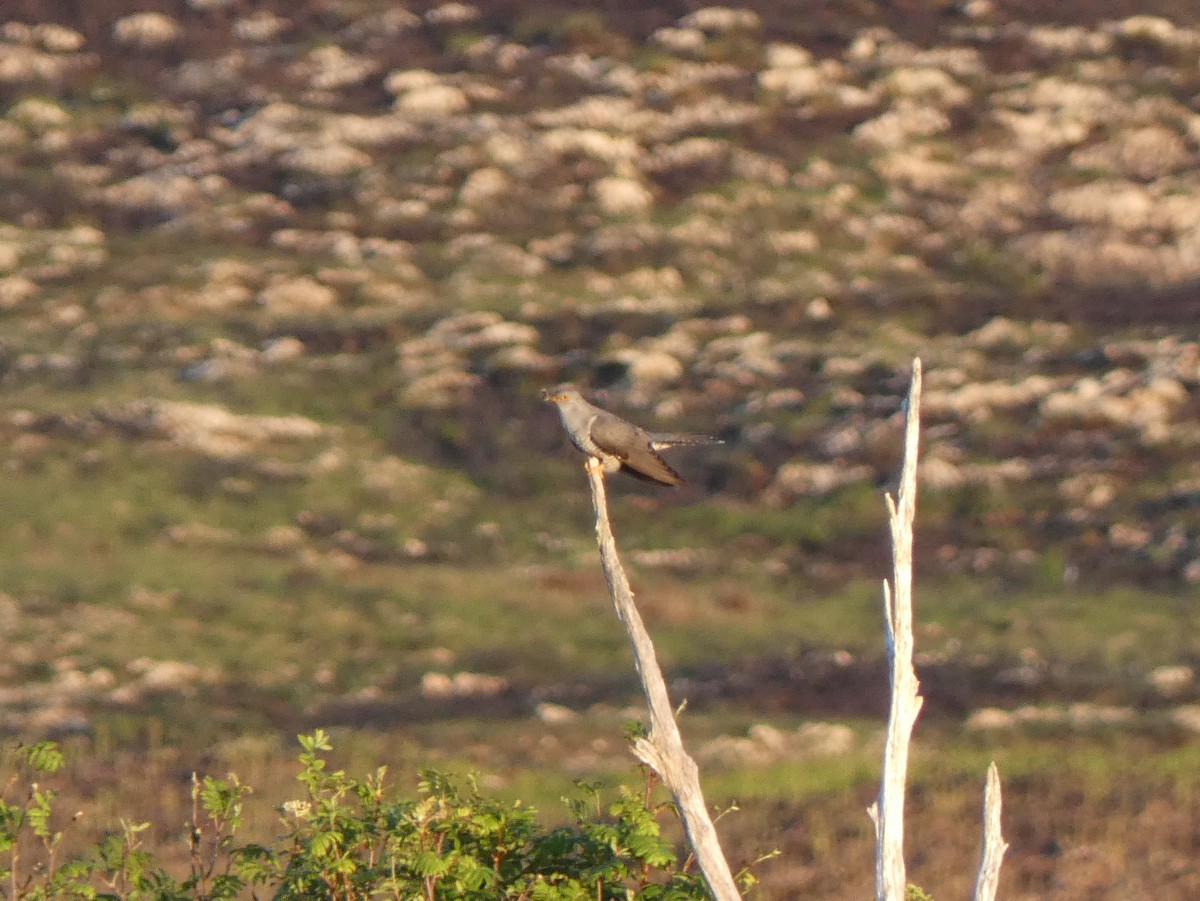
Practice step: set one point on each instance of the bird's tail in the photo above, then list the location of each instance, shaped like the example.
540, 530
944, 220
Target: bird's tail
660, 440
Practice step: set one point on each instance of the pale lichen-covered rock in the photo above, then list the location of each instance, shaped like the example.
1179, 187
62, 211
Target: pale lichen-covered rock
23, 65
329, 160
331, 68
710, 113
978, 401
38, 114
442, 390
1068, 41
765, 744
522, 358
741, 358
1090, 491
10, 255
1088, 258
57, 38
924, 84
682, 41
424, 95
461, 685
16, 290
566, 140
260, 26
919, 168
298, 295
1156, 30
1119, 204
147, 31
1082, 715
787, 56
647, 369
212, 429
802, 478
1142, 153
902, 123
1145, 407
722, 19
989, 719
485, 257
484, 187
796, 242
340, 244
483, 329
617, 196
453, 13
707, 158
163, 193
796, 83
1171, 680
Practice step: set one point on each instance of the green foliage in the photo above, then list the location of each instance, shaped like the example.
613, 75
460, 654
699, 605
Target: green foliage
350, 838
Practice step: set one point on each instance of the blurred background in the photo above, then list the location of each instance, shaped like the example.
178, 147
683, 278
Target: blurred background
280, 283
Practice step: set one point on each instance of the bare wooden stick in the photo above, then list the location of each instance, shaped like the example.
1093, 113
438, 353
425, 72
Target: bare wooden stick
994, 844
663, 750
887, 812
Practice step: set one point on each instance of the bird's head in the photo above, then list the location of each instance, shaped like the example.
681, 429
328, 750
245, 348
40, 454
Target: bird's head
560, 394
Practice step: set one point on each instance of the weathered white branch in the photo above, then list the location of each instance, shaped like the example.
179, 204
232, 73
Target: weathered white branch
994, 844
888, 810
663, 750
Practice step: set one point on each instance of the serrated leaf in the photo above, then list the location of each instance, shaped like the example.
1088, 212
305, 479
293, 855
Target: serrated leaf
44, 756
429, 863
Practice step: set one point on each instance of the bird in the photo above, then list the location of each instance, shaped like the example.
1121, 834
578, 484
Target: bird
618, 444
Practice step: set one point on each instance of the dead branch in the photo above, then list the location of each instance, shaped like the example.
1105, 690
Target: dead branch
994, 844
663, 749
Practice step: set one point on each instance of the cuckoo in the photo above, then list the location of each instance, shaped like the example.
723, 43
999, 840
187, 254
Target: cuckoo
618, 445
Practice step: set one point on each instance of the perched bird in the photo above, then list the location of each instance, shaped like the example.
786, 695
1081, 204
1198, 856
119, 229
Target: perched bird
618, 445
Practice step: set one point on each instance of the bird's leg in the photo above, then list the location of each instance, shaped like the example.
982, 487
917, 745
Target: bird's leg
594, 463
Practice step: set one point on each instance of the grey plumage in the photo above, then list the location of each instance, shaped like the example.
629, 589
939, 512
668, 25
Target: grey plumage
619, 445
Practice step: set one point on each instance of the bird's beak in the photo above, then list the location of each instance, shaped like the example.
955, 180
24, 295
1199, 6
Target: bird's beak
546, 395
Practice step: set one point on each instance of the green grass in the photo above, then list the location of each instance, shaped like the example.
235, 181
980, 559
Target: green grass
88, 556
798, 781
848, 515
1121, 627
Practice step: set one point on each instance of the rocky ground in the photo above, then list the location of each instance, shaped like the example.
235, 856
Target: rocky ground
706, 216
279, 284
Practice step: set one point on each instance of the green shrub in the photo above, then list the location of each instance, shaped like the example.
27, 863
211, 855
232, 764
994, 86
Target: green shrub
348, 838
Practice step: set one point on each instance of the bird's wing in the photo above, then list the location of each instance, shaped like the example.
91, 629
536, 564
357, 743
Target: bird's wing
632, 446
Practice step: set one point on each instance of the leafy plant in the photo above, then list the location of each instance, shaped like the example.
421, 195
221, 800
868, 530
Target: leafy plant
351, 838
